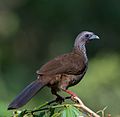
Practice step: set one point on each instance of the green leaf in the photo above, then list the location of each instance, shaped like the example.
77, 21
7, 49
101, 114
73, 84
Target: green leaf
56, 115
71, 111
21, 114
63, 113
76, 111
52, 111
41, 114
44, 114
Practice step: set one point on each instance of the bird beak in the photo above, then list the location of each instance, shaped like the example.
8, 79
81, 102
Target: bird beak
94, 37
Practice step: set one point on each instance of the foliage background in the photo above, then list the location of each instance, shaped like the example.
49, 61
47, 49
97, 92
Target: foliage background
35, 31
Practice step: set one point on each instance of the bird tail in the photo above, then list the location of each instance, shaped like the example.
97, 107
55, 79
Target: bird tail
26, 94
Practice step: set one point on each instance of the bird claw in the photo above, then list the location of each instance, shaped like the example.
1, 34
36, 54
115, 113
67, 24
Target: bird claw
76, 100
60, 100
73, 99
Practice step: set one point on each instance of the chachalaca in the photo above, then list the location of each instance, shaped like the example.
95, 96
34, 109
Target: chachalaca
60, 73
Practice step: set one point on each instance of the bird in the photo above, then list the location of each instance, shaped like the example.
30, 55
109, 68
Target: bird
59, 73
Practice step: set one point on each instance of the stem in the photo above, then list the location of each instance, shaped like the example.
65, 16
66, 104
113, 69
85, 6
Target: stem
85, 108
40, 108
57, 106
79, 105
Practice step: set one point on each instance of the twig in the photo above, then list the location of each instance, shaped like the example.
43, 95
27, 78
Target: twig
40, 108
85, 108
53, 101
102, 111
79, 105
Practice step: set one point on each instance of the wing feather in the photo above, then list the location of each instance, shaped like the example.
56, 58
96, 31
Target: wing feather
66, 64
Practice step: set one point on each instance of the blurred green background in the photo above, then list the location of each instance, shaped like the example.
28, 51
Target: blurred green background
35, 31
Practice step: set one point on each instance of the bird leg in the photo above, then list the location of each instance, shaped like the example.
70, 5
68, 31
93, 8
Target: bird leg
74, 97
70, 92
59, 98
80, 104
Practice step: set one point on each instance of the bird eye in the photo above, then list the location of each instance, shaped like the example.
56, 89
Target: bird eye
87, 35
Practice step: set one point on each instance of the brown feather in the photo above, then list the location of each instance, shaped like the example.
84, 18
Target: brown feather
60, 73
71, 63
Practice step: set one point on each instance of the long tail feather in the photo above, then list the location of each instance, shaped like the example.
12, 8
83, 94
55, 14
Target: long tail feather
26, 94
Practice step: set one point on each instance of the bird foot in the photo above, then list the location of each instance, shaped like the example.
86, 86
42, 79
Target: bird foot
60, 99
76, 99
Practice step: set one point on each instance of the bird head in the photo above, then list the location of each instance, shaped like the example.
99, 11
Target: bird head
84, 37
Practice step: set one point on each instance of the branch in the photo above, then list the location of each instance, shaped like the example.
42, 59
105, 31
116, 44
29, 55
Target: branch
53, 105
85, 108
40, 108
80, 105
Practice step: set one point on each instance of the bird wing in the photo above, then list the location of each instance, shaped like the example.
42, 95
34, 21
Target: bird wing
66, 64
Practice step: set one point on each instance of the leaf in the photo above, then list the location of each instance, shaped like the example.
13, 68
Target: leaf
41, 114
44, 114
52, 111
71, 111
56, 115
21, 114
63, 113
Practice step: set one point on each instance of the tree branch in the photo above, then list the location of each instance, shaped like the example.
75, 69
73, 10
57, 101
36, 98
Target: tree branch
47, 106
85, 108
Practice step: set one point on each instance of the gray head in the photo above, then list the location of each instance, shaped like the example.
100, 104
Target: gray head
84, 37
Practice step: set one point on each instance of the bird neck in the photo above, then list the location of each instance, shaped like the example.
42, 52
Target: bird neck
80, 49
